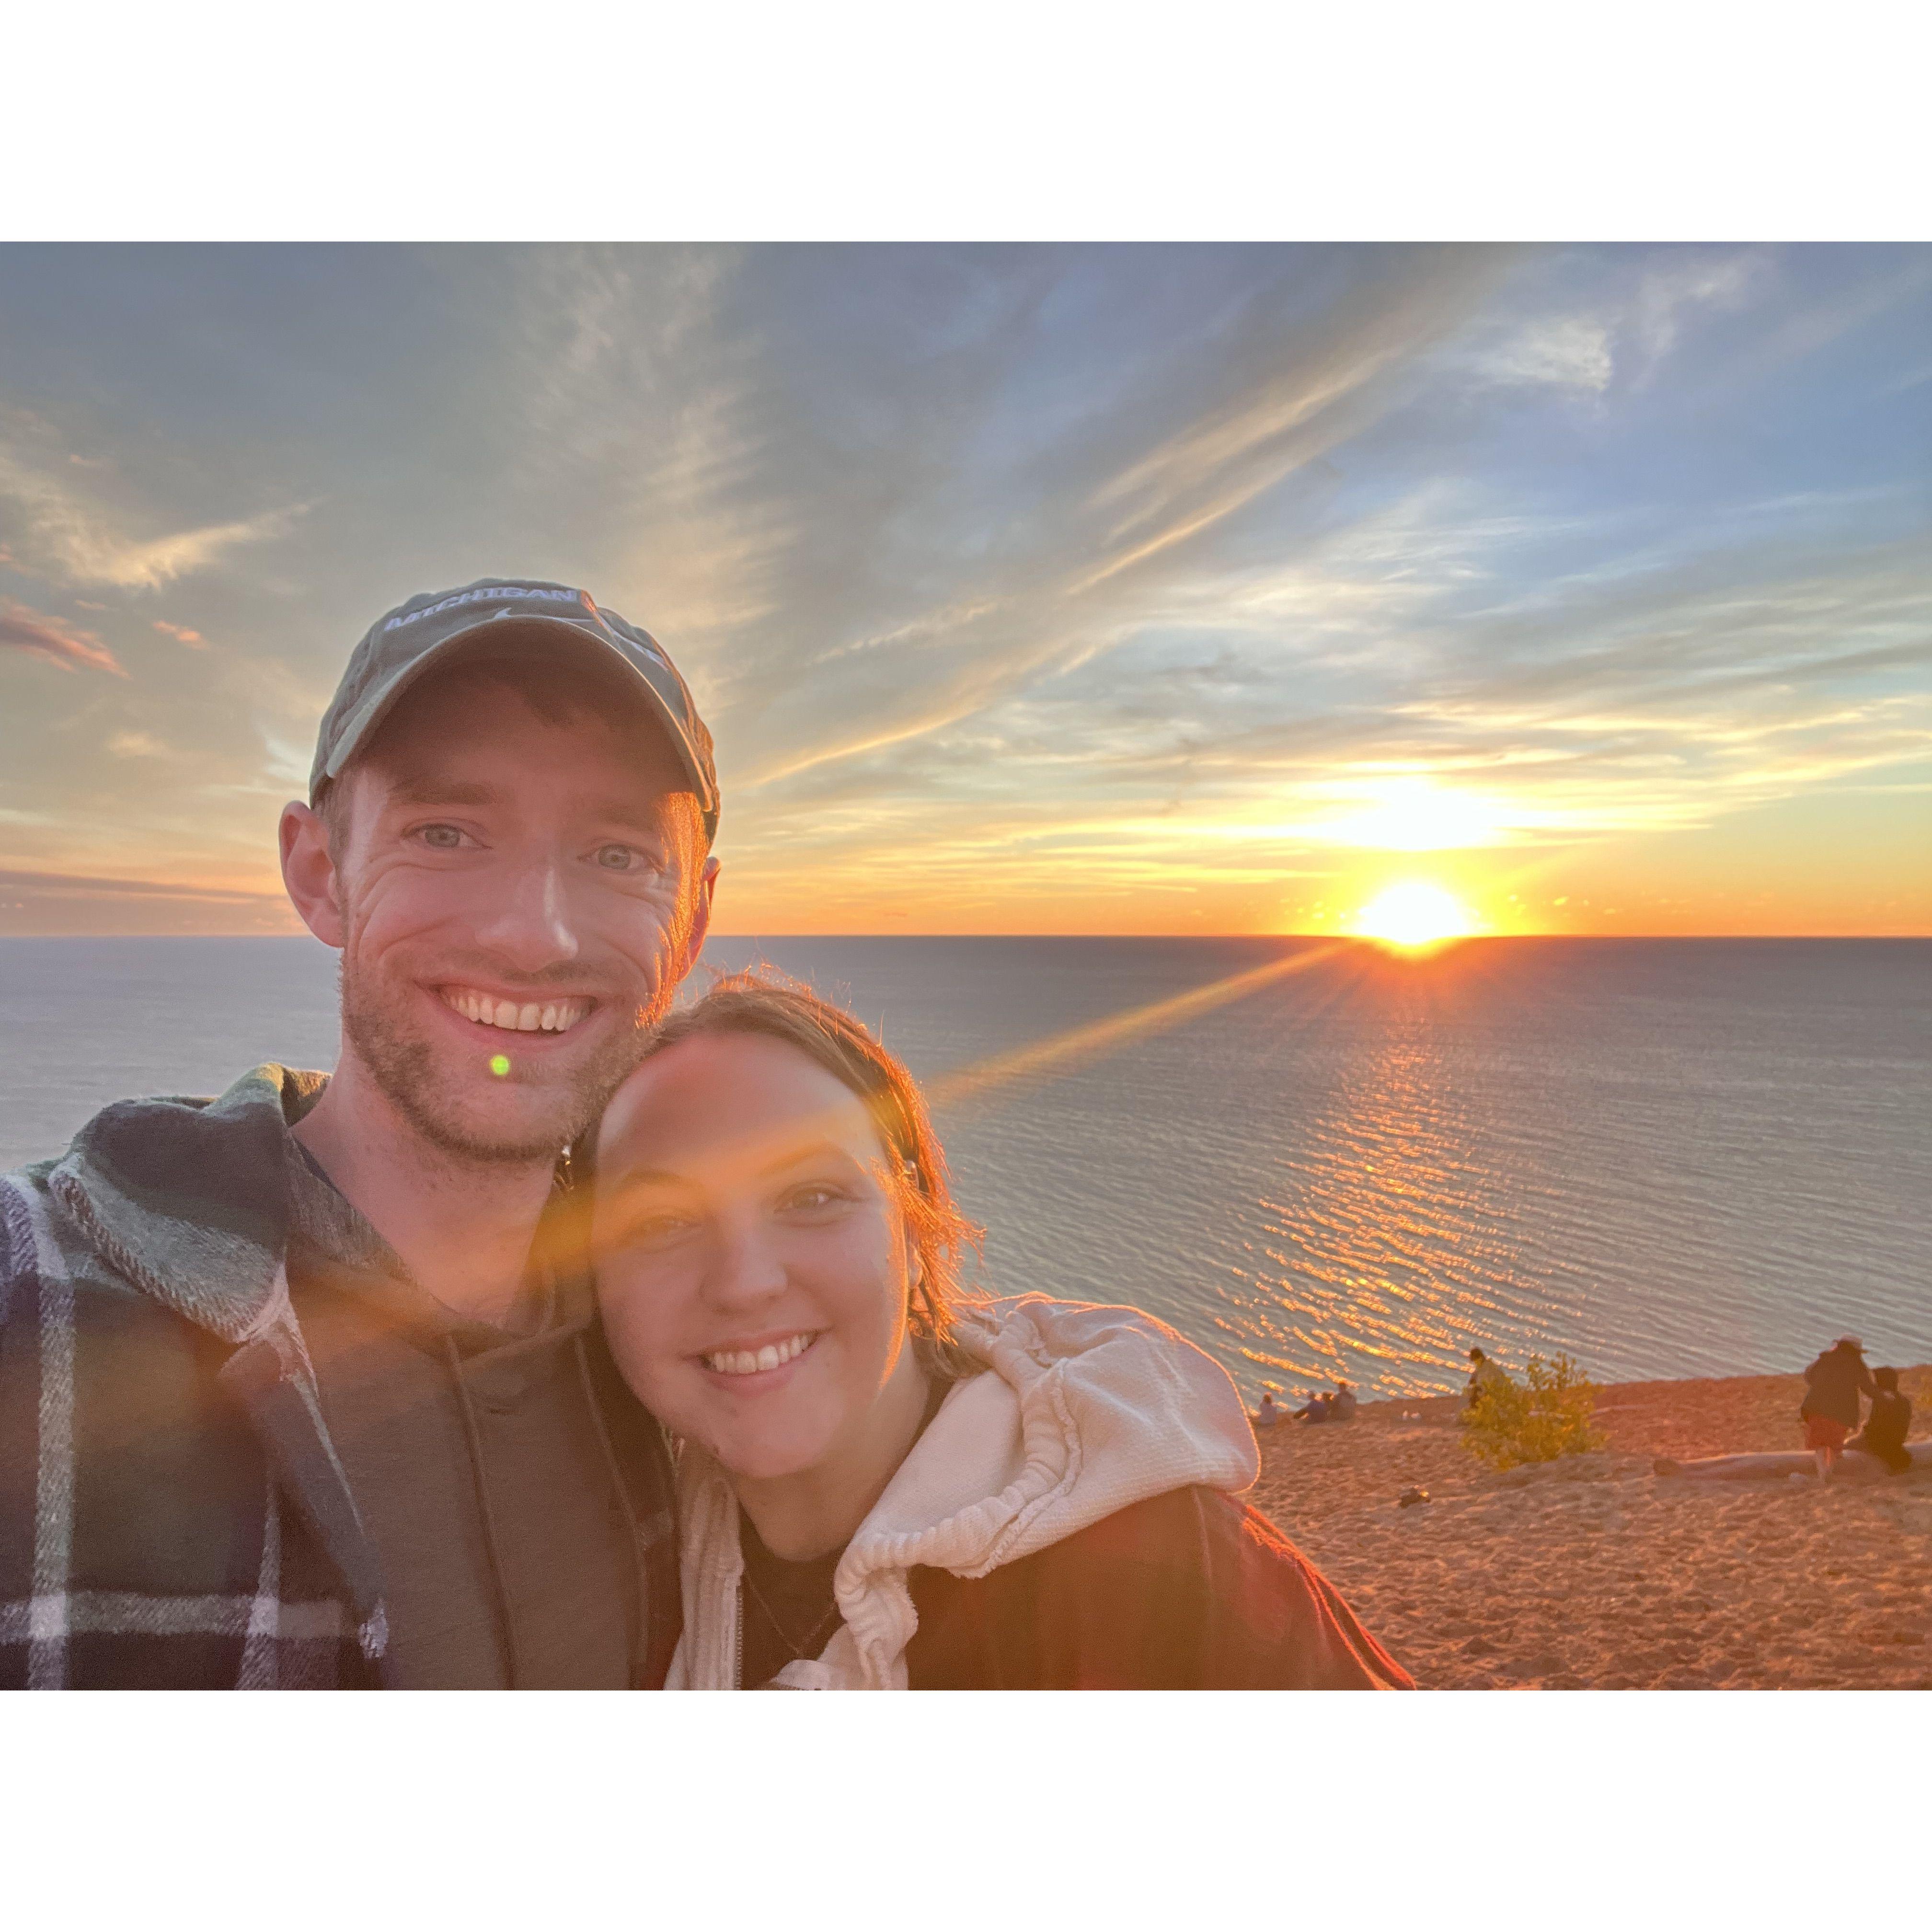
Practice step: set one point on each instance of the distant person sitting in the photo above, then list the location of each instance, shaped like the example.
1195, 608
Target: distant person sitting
1315, 1409
1268, 1414
1830, 1410
1341, 1404
1884, 1432
1484, 1376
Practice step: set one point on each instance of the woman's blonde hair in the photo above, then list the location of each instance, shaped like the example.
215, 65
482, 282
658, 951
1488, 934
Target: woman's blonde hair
769, 1004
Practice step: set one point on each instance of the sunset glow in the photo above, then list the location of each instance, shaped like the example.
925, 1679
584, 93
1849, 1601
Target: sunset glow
1414, 914
1585, 586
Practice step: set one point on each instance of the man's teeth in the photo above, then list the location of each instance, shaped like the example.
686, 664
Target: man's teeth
550, 1016
755, 1361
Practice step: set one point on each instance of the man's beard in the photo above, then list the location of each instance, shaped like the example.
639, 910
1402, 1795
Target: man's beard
411, 1076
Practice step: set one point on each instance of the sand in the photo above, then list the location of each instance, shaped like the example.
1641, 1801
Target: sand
1593, 1572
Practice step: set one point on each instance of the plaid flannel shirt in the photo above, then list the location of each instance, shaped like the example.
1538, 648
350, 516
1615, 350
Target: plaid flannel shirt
173, 1513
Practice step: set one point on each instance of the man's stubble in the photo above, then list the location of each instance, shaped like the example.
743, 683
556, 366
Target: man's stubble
408, 1073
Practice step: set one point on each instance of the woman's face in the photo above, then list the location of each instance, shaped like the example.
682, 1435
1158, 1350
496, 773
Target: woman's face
752, 1254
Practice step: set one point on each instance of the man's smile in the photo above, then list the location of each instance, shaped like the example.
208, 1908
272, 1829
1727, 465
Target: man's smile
551, 1015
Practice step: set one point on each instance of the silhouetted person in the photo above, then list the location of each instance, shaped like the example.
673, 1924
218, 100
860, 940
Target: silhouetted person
1315, 1409
1341, 1404
1830, 1410
1268, 1414
1484, 1375
1884, 1433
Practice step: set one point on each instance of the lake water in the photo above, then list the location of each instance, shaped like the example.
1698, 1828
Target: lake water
1668, 1157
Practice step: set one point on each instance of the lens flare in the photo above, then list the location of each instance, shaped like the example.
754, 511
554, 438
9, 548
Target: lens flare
499, 1065
1415, 915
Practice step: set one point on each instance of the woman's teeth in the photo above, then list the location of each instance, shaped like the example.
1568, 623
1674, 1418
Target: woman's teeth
550, 1016
755, 1361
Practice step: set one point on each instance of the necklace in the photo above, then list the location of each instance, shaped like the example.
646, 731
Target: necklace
797, 1646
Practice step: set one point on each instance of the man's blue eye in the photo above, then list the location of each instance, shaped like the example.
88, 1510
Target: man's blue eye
443, 838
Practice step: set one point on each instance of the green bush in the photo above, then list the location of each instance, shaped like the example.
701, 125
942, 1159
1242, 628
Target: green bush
1550, 1413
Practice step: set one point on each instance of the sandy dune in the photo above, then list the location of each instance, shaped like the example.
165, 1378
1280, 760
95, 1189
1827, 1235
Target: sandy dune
1594, 1573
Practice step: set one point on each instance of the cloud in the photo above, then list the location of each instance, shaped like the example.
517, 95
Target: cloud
1426, 676
62, 644
1568, 352
193, 639
1681, 282
68, 539
60, 885
954, 510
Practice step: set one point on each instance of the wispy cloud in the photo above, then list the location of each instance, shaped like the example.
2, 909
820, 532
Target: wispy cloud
181, 635
58, 533
1562, 352
88, 885
136, 745
56, 641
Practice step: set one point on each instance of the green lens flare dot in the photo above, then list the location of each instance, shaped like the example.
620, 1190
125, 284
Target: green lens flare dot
499, 1065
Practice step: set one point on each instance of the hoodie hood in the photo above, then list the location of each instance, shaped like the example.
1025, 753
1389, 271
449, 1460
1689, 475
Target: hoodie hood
1082, 1412
188, 1199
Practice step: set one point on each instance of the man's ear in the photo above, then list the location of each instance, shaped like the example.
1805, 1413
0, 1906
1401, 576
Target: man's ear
700, 918
309, 873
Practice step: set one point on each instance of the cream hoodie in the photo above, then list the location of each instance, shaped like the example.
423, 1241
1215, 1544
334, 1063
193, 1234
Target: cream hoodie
1082, 1412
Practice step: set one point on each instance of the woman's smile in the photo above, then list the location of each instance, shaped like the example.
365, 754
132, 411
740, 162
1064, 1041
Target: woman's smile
741, 1360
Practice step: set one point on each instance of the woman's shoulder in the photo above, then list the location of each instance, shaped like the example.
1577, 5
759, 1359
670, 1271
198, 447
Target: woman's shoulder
1196, 1533
1189, 1589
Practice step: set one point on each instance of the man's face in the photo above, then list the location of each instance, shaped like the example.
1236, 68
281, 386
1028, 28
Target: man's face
518, 904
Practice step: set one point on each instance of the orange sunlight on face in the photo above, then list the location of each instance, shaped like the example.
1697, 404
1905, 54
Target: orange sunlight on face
1414, 914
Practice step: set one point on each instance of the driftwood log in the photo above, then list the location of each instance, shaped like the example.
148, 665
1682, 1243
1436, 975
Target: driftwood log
1854, 1465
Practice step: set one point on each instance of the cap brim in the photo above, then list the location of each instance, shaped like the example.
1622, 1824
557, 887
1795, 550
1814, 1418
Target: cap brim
378, 703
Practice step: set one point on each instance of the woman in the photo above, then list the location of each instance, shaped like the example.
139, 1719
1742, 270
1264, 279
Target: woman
881, 1486
1830, 1410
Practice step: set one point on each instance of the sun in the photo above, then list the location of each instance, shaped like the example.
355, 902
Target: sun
1414, 914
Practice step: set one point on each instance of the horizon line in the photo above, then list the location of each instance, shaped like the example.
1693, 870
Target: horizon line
1347, 938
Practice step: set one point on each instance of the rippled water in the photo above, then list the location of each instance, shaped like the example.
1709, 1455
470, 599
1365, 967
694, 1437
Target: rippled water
1668, 1157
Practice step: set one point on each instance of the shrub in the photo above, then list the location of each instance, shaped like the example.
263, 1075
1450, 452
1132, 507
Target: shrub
1550, 1413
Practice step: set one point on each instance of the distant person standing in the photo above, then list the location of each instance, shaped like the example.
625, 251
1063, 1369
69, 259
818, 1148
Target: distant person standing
1484, 1376
1830, 1410
1884, 1430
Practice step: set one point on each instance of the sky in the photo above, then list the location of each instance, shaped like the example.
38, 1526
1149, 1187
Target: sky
1178, 588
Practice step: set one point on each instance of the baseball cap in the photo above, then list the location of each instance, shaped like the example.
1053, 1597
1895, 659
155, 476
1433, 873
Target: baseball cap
404, 643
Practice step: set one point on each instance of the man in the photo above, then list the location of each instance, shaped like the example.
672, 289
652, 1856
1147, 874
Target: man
1485, 1377
1888, 1425
302, 1386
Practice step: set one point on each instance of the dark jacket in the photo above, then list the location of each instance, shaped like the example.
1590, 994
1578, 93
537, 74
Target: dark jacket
172, 1512
1885, 1428
1833, 1385
1191, 1591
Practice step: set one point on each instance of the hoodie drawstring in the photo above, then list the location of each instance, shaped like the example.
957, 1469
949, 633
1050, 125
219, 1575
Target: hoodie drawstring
506, 1615
631, 1524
